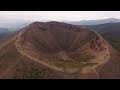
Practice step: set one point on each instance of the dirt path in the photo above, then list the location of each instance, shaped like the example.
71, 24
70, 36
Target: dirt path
1, 47
40, 61
7, 42
97, 74
28, 54
8, 69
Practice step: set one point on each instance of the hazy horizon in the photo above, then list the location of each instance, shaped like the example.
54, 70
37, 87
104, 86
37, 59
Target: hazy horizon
11, 19
11, 16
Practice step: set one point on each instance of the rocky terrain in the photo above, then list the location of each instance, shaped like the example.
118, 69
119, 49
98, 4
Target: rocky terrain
58, 51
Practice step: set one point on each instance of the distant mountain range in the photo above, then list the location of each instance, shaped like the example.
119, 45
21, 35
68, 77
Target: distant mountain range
3, 30
95, 22
110, 31
13, 26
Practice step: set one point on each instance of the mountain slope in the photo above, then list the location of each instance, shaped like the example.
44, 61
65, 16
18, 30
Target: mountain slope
3, 32
57, 50
14, 65
110, 32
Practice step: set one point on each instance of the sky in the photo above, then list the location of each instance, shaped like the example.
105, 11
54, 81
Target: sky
11, 16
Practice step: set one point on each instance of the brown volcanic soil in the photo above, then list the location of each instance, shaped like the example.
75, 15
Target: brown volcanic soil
53, 37
111, 70
62, 47
59, 51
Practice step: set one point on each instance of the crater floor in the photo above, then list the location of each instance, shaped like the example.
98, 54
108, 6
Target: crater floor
63, 47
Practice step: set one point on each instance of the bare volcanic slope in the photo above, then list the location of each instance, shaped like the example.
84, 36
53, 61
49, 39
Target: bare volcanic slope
63, 47
14, 65
57, 50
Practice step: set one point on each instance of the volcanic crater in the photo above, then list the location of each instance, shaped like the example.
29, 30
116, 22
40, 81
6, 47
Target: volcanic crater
64, 47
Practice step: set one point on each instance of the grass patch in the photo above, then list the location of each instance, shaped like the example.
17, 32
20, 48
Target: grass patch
32, 70
79, 61
114, 43
8, 55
